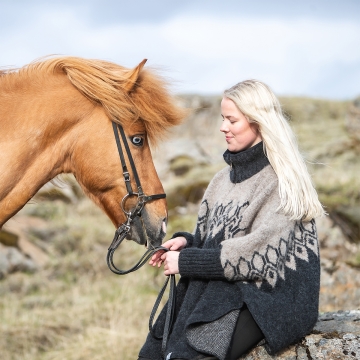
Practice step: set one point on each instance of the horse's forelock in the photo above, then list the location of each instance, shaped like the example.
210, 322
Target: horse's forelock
104, 82
155, 105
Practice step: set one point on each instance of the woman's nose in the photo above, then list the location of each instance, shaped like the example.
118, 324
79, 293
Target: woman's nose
224, 128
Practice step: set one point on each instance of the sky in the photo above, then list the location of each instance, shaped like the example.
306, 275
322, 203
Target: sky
299, 48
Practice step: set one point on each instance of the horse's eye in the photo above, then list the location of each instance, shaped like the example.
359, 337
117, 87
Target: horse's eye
137, 140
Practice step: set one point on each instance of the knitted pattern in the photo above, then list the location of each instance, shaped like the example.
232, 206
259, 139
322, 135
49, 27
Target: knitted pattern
243, 251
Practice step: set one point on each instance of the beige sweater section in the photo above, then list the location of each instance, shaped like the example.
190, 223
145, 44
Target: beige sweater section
255, 244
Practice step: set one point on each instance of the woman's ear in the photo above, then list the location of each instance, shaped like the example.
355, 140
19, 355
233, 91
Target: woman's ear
255, 128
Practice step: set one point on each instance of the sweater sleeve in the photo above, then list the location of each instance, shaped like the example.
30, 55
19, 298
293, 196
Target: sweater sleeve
201, 263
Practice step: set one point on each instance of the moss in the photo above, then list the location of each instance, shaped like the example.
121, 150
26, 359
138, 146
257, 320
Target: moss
190, 187
49, 210
7, 238
185, 222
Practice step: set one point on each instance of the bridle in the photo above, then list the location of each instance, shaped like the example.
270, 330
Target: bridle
125, 227
141, 200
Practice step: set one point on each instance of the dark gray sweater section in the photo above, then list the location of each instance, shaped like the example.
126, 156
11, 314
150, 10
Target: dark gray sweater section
243, 250
246, 163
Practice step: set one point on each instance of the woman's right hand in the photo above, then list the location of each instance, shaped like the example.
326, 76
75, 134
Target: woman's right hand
175, 244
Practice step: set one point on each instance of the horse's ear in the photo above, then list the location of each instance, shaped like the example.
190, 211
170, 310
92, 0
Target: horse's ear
133, 76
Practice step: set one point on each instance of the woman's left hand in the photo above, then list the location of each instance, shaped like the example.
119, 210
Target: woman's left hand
171, 262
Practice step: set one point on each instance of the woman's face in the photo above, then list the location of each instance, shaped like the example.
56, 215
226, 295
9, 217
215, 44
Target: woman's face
239, 133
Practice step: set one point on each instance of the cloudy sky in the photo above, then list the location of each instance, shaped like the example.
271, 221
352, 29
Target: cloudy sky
308, 47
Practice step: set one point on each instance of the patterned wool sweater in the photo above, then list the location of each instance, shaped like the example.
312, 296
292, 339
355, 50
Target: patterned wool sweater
243, 250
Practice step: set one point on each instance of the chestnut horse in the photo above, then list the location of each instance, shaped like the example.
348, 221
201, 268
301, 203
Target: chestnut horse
56, 117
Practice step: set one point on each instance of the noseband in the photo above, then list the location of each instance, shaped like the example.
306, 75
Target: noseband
125, 227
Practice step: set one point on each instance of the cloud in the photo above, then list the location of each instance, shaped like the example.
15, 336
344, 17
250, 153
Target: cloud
206, 53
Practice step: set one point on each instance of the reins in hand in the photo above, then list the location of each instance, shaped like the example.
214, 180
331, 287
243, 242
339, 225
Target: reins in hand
124, 229
120, 235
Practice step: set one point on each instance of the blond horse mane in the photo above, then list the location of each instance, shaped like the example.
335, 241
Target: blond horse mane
106, 83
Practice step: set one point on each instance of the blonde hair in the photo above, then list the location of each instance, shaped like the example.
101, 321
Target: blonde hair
298, 197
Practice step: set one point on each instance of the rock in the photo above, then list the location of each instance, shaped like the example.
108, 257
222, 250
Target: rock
348, 218
32, 251
182, 164
63, 187
17, 253
339, 322
339, 286
8, 238
12, 260
18, 227
334, 245
189, 188
336, 336
4, 262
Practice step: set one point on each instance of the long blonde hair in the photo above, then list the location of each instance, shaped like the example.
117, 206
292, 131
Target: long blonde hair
298, 197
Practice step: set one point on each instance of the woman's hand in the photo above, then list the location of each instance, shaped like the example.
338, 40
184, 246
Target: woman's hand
175, 244
171, 262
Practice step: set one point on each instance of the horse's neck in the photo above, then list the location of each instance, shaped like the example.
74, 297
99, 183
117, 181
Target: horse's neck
33, 146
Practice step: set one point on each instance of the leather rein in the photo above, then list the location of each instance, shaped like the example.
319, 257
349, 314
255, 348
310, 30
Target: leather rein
125, 227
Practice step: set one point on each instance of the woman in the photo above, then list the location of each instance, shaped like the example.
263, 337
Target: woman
250, 272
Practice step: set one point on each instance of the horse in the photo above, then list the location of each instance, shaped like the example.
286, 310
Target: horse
56, 116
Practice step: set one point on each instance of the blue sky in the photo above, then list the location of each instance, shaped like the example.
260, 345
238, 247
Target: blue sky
307, 48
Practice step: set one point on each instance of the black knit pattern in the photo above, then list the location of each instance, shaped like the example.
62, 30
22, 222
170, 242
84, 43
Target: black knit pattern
204, 263
245, 164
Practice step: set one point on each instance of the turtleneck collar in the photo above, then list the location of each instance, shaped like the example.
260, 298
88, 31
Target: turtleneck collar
245, 164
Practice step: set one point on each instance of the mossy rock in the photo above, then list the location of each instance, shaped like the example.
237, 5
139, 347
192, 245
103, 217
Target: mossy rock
348, 218
180, 165
190, 187
8, 238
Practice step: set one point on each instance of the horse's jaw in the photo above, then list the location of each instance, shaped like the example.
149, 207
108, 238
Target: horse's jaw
146, 230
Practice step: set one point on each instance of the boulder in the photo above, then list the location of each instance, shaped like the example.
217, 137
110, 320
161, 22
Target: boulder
12, 260
335, 336
17, 253
64, 187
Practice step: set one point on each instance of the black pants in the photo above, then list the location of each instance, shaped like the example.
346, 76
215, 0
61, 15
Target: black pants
246, 335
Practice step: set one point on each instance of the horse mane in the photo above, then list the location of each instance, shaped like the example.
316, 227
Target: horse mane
104, 83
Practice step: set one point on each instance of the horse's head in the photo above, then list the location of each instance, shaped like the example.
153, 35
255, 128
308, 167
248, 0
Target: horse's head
99, 171
142, 106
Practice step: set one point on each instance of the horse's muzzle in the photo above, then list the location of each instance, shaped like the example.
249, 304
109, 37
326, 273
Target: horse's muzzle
146, 230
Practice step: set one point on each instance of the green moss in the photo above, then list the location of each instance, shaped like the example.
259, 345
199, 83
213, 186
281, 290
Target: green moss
184, 222
48, 210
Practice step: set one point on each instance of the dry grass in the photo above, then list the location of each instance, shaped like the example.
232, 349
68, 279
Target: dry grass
75, 308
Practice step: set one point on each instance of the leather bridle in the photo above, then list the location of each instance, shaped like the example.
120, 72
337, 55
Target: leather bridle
141, 200
125, 227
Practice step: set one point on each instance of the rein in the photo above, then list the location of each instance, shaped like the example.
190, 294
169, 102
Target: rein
124, 229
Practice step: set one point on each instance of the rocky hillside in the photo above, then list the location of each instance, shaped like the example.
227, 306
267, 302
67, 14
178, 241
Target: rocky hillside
58, 298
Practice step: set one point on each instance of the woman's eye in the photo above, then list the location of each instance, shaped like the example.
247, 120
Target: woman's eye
137, 140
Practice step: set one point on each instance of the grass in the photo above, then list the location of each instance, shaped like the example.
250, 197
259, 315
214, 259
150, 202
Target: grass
75, 308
